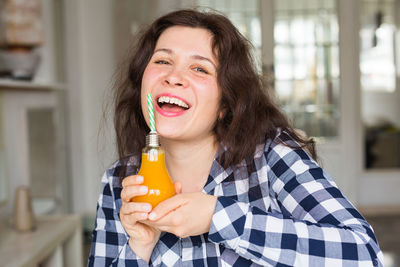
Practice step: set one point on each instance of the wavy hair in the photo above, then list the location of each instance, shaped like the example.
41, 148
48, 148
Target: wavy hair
249, 113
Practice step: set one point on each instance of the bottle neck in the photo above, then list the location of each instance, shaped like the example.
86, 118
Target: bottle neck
152, 140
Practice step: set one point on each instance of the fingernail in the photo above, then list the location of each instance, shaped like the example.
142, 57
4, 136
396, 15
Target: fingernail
143, 189
147, 207
139, 179
152, 216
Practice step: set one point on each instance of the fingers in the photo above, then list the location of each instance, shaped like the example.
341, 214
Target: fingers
131, 207
184, 214
167, 206
173, 222
131, 191
178, 187
129, 220
162, 226
132, 180
131, 187
131, 212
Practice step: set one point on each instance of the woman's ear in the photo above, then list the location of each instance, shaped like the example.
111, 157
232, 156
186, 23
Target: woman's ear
221, 114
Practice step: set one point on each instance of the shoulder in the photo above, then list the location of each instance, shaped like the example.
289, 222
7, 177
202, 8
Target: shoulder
278, 147
286, 159
283, 154
284, 146
274, 148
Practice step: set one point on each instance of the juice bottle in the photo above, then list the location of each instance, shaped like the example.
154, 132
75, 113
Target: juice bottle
154, 171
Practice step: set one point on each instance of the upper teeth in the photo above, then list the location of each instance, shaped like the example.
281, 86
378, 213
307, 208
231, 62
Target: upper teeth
172, 100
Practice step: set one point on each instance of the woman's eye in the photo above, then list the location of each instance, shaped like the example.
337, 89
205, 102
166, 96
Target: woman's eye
160, 61
199, 69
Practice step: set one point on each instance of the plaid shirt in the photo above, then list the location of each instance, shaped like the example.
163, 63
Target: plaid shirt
280, 209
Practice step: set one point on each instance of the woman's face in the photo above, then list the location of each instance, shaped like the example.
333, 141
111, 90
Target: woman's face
182, 78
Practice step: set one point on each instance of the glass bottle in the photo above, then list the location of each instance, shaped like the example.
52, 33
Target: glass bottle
154, 171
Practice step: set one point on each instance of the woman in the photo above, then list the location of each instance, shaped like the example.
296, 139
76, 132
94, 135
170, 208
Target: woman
249, 191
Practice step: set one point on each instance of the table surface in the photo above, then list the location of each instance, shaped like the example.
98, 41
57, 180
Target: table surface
25, 248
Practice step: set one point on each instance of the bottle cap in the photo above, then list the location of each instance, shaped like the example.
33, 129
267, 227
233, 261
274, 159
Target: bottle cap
152, 139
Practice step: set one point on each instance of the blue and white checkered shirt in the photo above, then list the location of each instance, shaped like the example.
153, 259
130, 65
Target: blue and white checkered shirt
280, 209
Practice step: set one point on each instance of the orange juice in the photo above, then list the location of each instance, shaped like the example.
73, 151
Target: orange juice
156, 177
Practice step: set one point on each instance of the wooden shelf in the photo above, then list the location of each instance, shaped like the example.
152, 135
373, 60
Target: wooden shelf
7, 84
56, 240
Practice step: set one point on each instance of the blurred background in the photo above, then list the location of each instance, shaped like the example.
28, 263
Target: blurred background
334, 66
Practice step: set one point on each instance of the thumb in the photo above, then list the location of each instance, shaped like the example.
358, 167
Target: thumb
178, 187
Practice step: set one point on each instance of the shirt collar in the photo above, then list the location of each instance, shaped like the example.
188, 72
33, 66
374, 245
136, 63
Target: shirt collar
217, 173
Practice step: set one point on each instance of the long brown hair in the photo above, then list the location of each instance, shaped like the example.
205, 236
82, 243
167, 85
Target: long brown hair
249, 113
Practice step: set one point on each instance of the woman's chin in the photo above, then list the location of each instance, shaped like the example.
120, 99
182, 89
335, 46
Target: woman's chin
169, 135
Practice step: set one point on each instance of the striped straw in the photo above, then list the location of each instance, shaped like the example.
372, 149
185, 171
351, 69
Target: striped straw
151, 113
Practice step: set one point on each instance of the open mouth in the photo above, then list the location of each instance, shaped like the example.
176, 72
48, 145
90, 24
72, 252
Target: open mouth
172, 104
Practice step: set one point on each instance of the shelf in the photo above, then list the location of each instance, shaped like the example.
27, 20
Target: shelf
7, 84
56, 240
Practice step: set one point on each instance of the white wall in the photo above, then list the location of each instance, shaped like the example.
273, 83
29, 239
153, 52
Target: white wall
89, 68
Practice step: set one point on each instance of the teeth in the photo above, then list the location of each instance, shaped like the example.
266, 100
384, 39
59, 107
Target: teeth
172, 100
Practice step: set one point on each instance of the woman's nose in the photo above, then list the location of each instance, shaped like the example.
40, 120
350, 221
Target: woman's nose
175, 78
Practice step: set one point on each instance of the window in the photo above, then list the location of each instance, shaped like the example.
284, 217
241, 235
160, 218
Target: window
380, 97
244, 15
377, 46
306, 56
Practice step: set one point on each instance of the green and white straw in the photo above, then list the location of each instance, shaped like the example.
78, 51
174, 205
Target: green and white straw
151, 113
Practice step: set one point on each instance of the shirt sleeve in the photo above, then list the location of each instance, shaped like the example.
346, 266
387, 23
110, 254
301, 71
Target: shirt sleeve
109, 240
315, 225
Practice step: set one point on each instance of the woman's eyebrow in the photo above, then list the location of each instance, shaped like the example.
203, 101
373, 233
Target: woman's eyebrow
166, 50
198, 57
204, 58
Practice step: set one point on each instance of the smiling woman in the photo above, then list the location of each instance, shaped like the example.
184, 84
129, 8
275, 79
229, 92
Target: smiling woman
182, 70
248, 192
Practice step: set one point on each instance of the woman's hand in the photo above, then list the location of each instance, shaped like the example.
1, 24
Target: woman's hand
186, 214
143, 237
